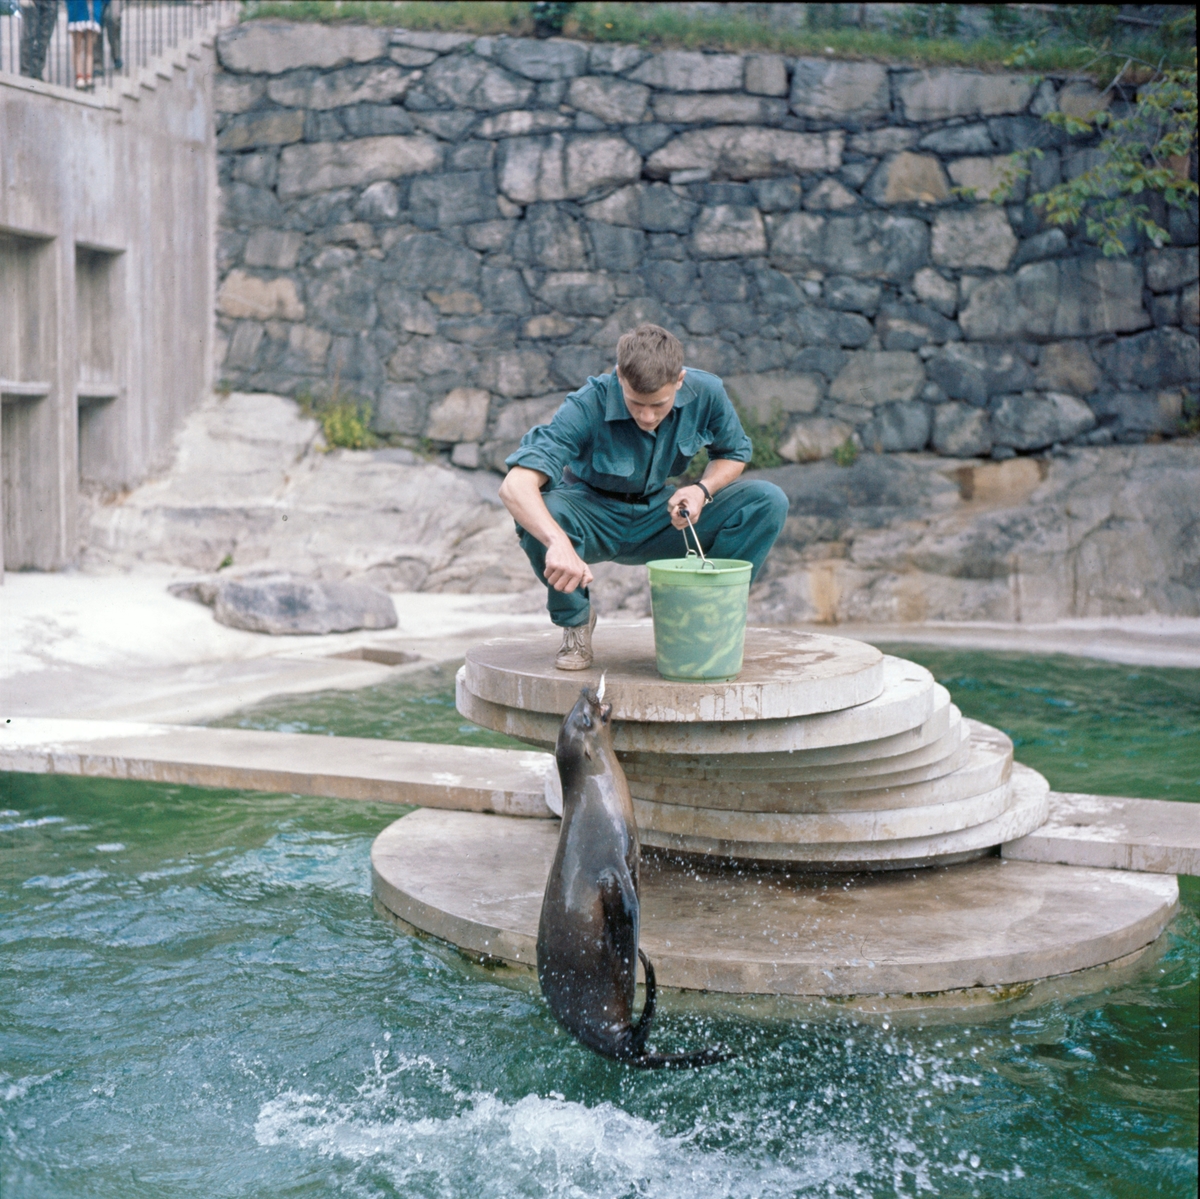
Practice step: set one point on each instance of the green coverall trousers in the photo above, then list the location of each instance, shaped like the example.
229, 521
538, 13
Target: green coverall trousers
742, 521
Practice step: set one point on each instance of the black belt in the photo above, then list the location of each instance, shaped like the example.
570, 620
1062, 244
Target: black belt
626, 497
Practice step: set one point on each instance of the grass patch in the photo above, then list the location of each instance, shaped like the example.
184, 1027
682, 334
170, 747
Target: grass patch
345, 420
663, 25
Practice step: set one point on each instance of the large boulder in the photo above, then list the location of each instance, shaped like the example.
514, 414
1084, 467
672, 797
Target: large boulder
1136, 414
973, 372
278, 602
1157, 358
961, 431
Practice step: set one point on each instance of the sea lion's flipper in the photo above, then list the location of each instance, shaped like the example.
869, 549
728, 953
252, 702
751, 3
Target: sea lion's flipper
658, 1061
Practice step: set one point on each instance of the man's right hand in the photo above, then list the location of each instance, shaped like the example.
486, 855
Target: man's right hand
565, 569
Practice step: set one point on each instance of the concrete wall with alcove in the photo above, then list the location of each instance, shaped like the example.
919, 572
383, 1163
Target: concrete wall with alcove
107, 211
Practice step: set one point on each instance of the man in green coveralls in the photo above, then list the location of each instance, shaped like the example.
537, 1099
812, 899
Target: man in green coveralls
591, 486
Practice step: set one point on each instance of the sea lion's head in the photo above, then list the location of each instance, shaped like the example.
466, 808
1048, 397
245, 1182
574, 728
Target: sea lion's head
586, 731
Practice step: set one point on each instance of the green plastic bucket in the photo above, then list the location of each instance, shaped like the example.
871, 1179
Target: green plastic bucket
699, 617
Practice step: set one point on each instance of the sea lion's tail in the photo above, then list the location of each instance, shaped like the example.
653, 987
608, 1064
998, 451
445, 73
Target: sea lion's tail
659, 1061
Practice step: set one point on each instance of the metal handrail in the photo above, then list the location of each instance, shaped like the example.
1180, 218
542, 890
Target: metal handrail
35, 41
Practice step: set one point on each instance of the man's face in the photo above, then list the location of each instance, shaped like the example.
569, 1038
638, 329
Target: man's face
649, 411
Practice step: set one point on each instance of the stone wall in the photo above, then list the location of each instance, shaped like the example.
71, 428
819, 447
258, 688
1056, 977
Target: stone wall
458, 228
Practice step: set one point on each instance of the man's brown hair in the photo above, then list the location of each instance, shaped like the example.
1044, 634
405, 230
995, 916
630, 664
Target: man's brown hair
649, 358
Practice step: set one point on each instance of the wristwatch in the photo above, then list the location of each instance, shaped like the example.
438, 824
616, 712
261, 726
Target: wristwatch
707, 493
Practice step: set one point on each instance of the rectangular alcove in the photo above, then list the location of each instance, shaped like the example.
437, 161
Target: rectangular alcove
99, 346
31, 447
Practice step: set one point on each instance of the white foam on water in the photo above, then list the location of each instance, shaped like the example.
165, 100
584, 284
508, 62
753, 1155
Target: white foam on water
301, 860
19, 824
489, 1148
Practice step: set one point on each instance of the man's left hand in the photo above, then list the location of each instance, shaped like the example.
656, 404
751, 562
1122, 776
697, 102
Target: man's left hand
691, 499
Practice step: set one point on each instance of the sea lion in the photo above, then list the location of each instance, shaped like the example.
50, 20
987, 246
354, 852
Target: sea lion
587, 946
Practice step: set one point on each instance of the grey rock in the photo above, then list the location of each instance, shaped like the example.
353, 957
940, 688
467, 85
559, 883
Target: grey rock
1024, 133
872, 377
272, 47
661, 210
555, 168
280, 603
550, 238
873, 245
855, 174
408, 56
504, 291
904, 326
764, 394
725, 281
729, 231
898, 428
1171, 269
401, 410
515, 373
667, 245
1189, 306
820, 359
460, 198
490, 235
851, 91
976, 237
1033, 422
608, 59
891, 139
961, 431
645, 139
1183, 226
553, 58
1058, 298
814, 437
1138, 412
691, 71
616, 248
936, 290
461, 415
373, 83
271, 128
852, 295
614, 101
258, 170
777, 195
1158, 358
766, 75
1164, 310
814, 326
471, 82
234, 94
305, 169
520, 122
1067, 366
343, 301
274, 248
1050, 244
574, 365
937, 94
671, 281
423, 260
975, 372
380, 202
830, 196
578, 293
959, 139
409, 313
424, 39
776, 291
243, 346
323, 126
371, 120
747, 153
764, 354
734, 108
449, 126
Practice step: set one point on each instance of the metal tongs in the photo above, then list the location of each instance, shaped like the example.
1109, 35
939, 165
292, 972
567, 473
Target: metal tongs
691, 553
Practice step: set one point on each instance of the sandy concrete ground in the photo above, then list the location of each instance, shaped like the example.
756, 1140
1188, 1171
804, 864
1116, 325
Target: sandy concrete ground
120, 647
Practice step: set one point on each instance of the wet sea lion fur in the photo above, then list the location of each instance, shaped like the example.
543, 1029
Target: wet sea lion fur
587, 946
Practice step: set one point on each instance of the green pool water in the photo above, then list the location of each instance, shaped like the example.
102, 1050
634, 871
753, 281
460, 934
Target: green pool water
198, 999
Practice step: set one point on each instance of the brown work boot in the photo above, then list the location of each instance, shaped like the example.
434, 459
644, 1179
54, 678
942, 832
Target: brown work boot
575, 653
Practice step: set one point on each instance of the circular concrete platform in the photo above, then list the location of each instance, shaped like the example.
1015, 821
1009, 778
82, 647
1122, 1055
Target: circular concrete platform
785, 674
477, 881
